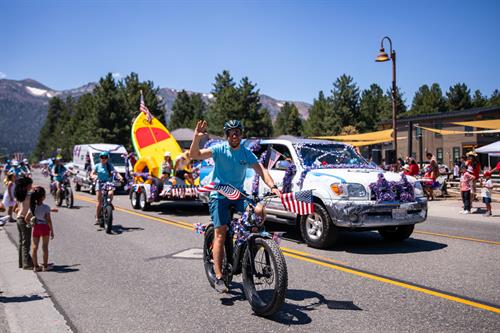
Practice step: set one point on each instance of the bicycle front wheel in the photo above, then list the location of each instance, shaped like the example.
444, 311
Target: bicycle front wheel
265, 287
108, 218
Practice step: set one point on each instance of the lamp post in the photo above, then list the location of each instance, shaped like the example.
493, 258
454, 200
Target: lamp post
382, 57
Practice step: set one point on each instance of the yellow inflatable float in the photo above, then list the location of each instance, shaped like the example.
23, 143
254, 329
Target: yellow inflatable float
151, 140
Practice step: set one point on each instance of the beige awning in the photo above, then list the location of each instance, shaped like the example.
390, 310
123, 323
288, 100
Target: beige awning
450, 132
385, 135
372, 142
491, 124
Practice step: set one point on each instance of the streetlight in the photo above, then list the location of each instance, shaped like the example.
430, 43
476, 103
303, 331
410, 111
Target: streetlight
382, 57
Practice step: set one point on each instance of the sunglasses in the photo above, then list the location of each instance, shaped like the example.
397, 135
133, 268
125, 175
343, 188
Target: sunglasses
104, 157
235, 132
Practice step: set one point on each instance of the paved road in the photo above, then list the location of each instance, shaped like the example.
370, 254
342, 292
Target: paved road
445, 278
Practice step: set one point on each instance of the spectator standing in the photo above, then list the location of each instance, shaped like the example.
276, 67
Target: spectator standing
9, 200
414, 169
486, 192
39, 217
465, 189
22, 195
476, 170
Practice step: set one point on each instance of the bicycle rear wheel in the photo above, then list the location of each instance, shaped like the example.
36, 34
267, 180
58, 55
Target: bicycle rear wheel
266, 287
208, 260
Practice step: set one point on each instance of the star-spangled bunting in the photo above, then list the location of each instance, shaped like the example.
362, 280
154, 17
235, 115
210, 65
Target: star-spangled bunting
300, 203
143, 108
229, 191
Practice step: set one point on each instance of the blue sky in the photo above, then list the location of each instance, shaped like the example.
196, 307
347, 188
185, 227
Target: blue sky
291, 49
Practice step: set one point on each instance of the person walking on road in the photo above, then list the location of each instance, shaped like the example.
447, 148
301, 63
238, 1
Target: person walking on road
231, 161
39, 218
22, 195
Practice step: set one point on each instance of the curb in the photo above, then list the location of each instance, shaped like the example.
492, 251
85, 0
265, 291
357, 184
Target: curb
28, 306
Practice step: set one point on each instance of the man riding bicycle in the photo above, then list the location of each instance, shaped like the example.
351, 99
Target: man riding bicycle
58, 170
230, 163
103, 173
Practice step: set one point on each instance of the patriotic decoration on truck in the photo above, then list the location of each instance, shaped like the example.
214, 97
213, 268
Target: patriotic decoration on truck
300, 203
229, 191
143, 108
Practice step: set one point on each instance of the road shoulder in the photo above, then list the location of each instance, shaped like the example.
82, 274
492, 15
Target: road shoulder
26, 305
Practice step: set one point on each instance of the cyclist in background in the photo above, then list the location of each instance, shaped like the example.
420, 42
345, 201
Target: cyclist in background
58, 171
103, 173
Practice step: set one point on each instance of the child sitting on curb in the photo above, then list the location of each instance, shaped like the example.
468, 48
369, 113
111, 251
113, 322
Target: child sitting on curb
486, 192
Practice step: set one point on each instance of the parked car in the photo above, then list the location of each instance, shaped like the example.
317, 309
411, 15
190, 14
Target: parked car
340, 181
82, 166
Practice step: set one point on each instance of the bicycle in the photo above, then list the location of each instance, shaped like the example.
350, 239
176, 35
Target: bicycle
253, 252
106, 216
65, 193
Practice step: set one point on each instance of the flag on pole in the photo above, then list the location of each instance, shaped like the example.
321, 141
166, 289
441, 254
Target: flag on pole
300, 203
273, 158
229, 191
143, 108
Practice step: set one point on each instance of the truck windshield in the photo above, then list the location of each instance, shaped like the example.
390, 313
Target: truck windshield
115, 159
318, 154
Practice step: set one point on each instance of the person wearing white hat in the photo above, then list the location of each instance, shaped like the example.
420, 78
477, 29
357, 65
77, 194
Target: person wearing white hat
167, 165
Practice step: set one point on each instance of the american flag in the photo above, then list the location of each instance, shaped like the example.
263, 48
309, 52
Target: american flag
298, 202
144, 108
229, 191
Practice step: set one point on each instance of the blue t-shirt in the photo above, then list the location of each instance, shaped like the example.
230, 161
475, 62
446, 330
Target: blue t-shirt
103, 174
231, 165
60, 170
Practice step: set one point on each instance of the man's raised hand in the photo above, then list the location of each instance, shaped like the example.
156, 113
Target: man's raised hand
201, 128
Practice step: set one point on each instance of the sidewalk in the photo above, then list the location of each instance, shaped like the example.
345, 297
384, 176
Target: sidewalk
450, 207
25, 305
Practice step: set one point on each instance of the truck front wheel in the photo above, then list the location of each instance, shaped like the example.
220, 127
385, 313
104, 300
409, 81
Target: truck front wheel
317, 229
397, 233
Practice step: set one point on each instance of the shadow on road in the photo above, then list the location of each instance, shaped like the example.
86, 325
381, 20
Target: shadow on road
297, 304
119, 229
372, 243
180, 208
20, 299
64, 268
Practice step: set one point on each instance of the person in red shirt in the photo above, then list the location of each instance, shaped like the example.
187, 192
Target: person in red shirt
414, 169
476, 170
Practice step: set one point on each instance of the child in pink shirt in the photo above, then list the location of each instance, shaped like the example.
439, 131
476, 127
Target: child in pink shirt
465, 188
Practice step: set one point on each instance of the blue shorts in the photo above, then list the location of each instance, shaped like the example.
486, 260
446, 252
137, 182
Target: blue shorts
486, 200
220, 210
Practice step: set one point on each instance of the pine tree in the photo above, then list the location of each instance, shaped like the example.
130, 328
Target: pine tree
315, 124
400, 105
428, 100
45, 147
288, 121
226, 105
249, 109
372, 104
458, 97
181, 111
345, 102
478, 100
494, 99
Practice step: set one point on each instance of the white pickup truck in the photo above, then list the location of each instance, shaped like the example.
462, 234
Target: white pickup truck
348, 193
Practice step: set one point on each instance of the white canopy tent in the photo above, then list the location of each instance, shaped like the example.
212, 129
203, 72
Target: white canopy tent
493, 149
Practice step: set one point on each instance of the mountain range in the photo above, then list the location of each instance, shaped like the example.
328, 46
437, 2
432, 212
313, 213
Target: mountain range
24, 105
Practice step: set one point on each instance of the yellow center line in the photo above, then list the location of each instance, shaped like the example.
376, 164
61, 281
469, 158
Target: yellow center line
307, 257
399, 284
457, 237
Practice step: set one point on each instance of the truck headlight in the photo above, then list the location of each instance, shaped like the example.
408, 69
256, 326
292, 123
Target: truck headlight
356, 190
339, 189
419, 191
